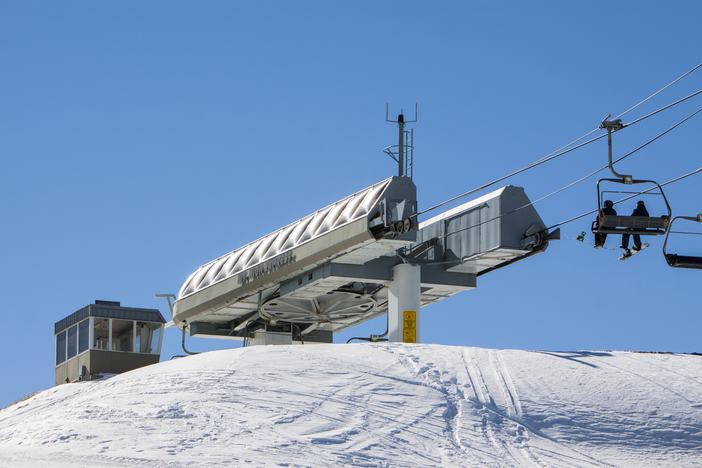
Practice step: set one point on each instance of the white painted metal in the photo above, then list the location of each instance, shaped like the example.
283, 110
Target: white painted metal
355, 230
403, 296
307, 229
160, 338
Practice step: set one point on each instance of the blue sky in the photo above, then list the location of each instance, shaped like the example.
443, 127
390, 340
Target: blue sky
140, 140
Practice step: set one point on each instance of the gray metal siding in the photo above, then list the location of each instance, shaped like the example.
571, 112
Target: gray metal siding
71, 320
120, 313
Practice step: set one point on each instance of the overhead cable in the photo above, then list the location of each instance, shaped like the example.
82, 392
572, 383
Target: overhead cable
534, 164
660, 135
584, 178
628, 198
626, 156
662, 109
686, 232
659, 91
559, 153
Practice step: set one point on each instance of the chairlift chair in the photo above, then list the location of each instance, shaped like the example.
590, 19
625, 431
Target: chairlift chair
638, 225
682, 261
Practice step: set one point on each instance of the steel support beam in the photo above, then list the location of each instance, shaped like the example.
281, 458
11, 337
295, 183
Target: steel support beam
404, 304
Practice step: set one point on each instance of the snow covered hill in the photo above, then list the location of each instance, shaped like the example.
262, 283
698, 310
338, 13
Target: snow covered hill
363, 405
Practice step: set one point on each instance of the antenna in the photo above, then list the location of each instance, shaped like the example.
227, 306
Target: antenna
405, 148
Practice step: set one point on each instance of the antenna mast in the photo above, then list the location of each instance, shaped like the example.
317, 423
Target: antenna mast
405, 148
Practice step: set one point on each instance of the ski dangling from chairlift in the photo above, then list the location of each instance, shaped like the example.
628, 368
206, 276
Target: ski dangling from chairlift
615, 224
682, 261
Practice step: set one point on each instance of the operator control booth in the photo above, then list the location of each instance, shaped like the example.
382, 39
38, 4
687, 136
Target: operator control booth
106, 338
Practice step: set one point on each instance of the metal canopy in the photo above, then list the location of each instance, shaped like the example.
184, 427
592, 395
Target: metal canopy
332, 269
109, 310
362, 227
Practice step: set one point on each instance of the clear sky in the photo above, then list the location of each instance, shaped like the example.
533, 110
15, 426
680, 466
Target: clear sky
140, 140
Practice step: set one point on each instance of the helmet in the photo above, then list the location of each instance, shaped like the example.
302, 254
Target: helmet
640, 202
608, 204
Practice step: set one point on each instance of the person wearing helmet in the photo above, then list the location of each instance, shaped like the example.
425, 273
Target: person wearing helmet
640, 210
610, 211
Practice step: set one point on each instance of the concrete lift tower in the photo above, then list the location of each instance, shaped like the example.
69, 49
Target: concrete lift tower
361, 257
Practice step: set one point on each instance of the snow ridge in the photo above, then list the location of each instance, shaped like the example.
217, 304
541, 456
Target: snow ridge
371, 405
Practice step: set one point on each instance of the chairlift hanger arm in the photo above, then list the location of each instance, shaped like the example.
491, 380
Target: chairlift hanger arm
613, 126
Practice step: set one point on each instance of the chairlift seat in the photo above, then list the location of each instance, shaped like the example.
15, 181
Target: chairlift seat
682, 261
643, 225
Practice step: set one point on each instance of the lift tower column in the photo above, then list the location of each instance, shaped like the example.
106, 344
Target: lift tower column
404, 300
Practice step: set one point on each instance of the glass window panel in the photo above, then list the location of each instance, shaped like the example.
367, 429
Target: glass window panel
60, 347
72, 342
147, 337
155, 337
83, 336
101, 334
122, 335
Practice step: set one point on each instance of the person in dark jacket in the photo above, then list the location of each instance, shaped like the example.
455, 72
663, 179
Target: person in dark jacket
607, 210
640, 210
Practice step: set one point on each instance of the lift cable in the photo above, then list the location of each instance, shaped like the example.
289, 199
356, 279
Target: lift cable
534, 164
627, 198
662, 109
558, 152
587, 177
660, 135
684, 232
659, 91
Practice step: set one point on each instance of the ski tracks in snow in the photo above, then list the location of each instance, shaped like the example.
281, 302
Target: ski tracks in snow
483, 409
497, 403
484, 414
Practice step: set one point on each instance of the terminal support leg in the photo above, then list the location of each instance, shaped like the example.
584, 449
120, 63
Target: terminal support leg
404, 304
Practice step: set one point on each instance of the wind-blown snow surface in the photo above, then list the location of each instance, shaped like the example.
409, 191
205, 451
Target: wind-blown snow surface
381, 405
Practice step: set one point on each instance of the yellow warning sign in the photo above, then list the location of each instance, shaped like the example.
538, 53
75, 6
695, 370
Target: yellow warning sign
409, 328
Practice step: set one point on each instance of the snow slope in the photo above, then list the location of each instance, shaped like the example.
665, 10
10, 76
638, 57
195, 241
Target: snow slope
380, 405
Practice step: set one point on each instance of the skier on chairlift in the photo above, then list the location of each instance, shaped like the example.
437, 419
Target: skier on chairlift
640, 210
610, 211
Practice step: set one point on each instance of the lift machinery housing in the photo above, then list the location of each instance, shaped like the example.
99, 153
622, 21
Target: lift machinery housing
354, 260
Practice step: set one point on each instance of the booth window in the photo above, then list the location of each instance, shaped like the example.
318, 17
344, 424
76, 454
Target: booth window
72, 342
122, 335
60, 347
148, 334
83, 336
155, 337
101, 334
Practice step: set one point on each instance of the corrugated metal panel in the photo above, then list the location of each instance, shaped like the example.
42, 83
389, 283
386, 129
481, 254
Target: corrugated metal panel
120, 313
71, 320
